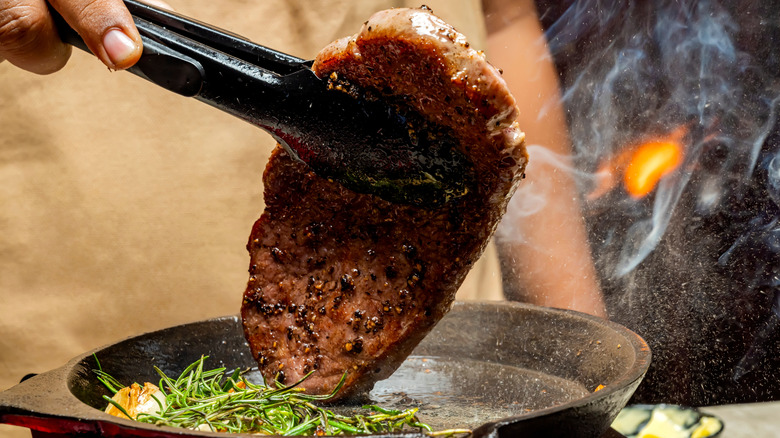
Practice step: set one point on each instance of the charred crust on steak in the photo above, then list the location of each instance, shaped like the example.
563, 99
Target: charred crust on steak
348, 282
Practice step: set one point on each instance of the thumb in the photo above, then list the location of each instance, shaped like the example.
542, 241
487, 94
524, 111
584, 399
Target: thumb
106, 27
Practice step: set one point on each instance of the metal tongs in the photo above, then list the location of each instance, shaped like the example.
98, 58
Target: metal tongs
365, 143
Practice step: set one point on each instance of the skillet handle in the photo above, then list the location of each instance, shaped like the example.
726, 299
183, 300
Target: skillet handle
43, 403
158, 64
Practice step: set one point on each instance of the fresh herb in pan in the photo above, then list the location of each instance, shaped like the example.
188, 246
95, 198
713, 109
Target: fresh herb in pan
210, 400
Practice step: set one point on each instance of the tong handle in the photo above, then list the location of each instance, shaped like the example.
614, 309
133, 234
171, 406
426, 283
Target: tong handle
159, 64
169, 36
222, 69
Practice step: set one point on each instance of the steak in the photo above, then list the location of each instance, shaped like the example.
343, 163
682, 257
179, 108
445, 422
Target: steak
343, 282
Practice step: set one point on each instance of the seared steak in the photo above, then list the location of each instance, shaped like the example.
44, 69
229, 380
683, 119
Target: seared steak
348, 282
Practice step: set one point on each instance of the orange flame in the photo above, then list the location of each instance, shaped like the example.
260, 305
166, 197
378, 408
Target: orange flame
641, 165
651, 162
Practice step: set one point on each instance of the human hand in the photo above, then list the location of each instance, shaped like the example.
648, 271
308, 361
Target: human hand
29, 39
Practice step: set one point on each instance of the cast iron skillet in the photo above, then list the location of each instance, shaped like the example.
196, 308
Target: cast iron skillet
502, 369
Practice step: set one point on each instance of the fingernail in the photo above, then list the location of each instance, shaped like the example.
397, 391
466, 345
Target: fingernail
118, 46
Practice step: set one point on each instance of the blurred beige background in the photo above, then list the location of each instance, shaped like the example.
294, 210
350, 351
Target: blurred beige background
126, 208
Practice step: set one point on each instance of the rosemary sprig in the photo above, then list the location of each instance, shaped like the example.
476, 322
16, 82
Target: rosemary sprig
215, 401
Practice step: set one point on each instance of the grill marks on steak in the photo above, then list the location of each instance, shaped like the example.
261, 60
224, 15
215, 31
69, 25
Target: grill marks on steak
347, 282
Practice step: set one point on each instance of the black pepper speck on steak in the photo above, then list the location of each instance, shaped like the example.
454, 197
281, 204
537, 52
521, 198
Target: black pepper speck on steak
348, 282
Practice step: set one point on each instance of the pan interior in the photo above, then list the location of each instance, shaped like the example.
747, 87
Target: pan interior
467, 393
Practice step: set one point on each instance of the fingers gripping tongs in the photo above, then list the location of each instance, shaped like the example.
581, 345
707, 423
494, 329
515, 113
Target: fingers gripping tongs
365, 144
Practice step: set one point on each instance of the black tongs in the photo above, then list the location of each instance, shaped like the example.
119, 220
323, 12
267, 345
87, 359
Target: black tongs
365, 143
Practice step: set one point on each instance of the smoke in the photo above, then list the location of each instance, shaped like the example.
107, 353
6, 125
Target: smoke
773, 178
531, 196
703, 247
648, 69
